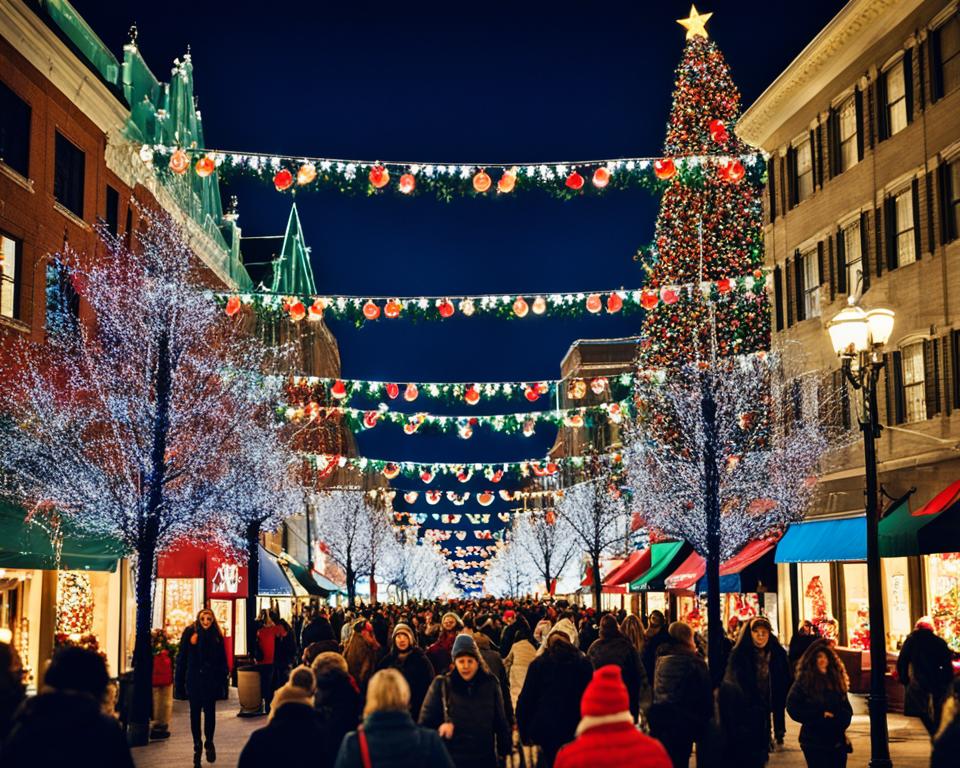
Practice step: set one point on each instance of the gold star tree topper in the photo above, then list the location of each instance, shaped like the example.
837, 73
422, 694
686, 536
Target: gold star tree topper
695, 23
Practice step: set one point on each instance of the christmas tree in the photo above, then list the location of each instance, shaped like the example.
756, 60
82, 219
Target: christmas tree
710, 230
74, 603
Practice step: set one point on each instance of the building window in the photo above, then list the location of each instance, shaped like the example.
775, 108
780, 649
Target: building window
112, 217
811, 284
948, 41
804, 170
906, 238
953, 202
63, 302
68, 171
847, 124
914, 390
14, 131
853, 254
10, 277
896, 106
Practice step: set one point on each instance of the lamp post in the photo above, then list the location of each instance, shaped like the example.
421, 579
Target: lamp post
857, 337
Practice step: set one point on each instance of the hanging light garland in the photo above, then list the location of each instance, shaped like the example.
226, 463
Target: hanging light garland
360, 309
446, 181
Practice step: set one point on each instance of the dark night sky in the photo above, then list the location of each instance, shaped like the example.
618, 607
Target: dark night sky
465, 82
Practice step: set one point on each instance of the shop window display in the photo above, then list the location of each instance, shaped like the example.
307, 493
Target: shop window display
182, 601
816, 580
856, 605
943, 583
74, 604
897, 603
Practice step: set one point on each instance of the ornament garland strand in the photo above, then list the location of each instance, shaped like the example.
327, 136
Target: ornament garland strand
446, 181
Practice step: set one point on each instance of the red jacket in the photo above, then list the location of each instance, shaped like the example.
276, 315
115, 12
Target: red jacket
613, 744
162, 669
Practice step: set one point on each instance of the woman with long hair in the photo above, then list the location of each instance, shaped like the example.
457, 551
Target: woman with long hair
201, 678
632, 629
818, 701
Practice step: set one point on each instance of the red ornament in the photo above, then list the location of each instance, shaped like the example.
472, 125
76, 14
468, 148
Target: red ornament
664, 169
485, 498
282, 180
379, 176
338, 390
205, 166
531, 394
472, 395
407, 183
411, 393
311, 410
551, 468
446, 308
482, 182
297, 311
550, 517
463, 476
497, 476
718, 132
316, 309
426, 476
507, 182
393, 391
669, 296
594, 304
390, 471
601, 177
233, 306
392, 309
731, 170
179, 162
574, 181
648, 299
520, 307
370, 419
614, 303
724, 285
371, 310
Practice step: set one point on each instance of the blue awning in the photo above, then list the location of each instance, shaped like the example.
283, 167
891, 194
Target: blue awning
272, 581
824, 541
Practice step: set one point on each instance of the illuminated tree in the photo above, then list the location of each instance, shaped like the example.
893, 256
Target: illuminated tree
548, 543
509, 574
414, 567
134, 425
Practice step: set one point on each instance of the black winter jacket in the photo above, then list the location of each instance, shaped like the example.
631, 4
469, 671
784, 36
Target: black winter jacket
416, 670
925, 667
807, 706
201, 669
339, 704
946, 749
295, 736
619, 650
395, 741
475, 707
548, 708
650, 648
682, 687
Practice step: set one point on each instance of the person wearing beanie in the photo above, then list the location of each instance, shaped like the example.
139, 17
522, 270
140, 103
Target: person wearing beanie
439, 652
509, 632
613, 647
465, 706
682, 696
411, 662
564, 626
337, 701
295, 731
548, 708
606, 734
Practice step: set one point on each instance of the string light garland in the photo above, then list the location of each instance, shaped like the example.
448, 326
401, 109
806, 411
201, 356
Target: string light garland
361, 309
446, 181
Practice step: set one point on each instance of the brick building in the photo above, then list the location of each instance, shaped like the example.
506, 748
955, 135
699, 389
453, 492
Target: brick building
864, 180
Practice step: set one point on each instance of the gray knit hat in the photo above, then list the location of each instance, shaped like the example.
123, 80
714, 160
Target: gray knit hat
465, 645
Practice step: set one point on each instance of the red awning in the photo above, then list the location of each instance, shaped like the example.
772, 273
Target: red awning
694, 567
587, 583
637, 563
942, 501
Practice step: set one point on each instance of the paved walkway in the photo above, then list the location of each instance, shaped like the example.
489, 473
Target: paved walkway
909, 746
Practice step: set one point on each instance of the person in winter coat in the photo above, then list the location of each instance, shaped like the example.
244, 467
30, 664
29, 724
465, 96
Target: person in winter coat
320, 632
295, 731
162, 686
465, 705
270, 652
201, 678
606, 735
522, 653
337, 700
411, 662
388, 733
925, 667
65, 725
946, 742
361, 653
805, 636
756, 682
509, 633
632, 629
682, 696
496, 667
548, 708
440, 651
567, 627
818, 701
655, 636
12, 690
612, 647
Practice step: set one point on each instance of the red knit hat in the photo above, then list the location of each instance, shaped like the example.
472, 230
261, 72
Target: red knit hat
606, 694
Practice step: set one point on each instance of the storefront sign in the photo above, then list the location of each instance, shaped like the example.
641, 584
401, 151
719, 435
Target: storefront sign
226, 578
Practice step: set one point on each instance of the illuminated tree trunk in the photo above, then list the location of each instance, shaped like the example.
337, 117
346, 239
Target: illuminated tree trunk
712, 503
253, 583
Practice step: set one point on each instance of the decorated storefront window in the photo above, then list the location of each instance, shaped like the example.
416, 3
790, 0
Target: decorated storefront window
897, 601
815, 582
74, 604
856, 605
943, 585
182, 601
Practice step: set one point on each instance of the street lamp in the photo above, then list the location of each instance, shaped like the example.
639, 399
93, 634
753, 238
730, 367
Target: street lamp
857, 337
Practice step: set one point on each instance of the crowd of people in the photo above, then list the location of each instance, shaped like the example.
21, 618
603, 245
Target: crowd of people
488, 683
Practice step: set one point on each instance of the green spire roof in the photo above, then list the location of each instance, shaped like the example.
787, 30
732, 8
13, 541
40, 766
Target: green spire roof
292, 273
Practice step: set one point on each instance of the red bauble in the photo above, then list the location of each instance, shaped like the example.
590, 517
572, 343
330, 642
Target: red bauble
411, 393
551, 468
233, 306
614, 303
482, 182
392, 309
574, 181
531, 394
497, 476
338, 390
316, 309
390, 471
370, 419
718, 131
297, 311
379, 176
472, 396
669, 296
446, 308
731, 170
507, 182
724, 285
664, 169
520, 307
550, 517
594, 304
179, 162
648, 299
601, 177
393, 391
371, 310
485, 498
426, 476
205, 166
282, 180
407, 183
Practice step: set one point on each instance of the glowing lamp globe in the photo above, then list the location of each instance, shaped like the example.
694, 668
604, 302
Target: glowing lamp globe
880, 322
849, 331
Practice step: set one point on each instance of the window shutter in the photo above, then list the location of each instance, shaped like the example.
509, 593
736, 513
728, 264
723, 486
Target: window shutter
921, 76
833, 142
946, 365
820, 272
890, 232
791, 296
908, 82
816, 144
931, 244
931, 377
799, 286
784, 184
864, 251
842, 265
792, 182
879, 221
945, 189
861, 129
832, 267
889, 389
772, 188
900, 401
954, 393
915, 204
936, 71
778, 296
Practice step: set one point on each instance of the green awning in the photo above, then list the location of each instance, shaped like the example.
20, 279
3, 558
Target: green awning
932, 529
27, 545
662, 556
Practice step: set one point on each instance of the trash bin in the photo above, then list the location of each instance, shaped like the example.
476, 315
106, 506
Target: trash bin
249, 691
